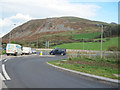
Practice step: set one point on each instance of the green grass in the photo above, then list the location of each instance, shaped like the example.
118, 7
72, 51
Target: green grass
108, 60
105, 71
0, 52
86, 35
90, 45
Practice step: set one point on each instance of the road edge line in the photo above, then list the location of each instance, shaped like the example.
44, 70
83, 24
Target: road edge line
86, 74
3, 83
5, 73
1, 76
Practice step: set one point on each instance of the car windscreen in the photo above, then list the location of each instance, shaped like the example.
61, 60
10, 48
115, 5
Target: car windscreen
62, 50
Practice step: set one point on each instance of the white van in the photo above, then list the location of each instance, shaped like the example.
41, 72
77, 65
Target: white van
27, 50
13, 49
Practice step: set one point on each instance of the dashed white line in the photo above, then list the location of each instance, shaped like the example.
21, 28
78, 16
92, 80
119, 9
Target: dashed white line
5, 73
1, 76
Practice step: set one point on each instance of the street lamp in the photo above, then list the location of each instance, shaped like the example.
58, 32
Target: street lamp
9, 37
47, 44
10, 34
101, 36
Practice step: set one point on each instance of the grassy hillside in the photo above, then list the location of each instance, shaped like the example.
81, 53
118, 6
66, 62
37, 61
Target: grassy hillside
37, 28
59, 31
90, 45
86, 35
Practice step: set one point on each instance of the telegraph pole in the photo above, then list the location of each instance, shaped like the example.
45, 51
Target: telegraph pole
83, 43
37, 41
101, 38
101, 25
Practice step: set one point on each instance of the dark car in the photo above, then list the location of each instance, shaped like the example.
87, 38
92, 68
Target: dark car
58, 51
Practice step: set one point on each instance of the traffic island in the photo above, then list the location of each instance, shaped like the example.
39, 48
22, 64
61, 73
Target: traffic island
47, 56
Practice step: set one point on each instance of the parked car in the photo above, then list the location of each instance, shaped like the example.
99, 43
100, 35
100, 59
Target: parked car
58, 51
34, 51
13, 49
26, 50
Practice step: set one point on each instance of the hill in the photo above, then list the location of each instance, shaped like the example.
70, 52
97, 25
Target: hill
57, 30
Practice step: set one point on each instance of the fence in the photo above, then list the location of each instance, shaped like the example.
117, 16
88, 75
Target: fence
86, 54
92, 54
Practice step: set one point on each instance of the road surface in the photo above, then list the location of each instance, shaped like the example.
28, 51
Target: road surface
33, 72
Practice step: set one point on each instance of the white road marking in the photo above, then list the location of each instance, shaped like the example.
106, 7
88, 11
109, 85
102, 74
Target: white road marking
5, 73
1, 76
5, 60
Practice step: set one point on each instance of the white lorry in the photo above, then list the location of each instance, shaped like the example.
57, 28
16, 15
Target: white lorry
13, 49
26, 50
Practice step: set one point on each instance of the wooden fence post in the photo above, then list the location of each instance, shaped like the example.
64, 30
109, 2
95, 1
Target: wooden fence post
89, 54
68, 56
82, 55
104, 54
77, 53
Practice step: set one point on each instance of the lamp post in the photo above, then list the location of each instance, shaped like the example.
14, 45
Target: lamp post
10, 34
9, 37
37, 41
47, 44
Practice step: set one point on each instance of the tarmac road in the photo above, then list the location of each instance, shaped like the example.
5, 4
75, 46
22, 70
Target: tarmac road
33, 72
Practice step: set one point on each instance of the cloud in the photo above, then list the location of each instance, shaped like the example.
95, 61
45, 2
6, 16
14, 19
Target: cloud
10, 20
21, 17
9, 23
49, 8
94, 1
20, 11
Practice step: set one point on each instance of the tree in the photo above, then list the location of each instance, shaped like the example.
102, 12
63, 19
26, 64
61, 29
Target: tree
111, 31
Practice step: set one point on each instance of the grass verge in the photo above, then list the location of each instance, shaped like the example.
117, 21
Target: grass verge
95, 67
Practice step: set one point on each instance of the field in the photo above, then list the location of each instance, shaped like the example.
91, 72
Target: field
90, 45
86, 35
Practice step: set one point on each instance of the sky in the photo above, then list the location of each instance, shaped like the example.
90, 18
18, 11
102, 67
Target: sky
16, 12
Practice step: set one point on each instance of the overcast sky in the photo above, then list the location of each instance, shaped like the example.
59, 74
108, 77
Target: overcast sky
16, 12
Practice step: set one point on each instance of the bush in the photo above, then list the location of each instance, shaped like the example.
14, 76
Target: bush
3, 52
107, 39
113, 48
